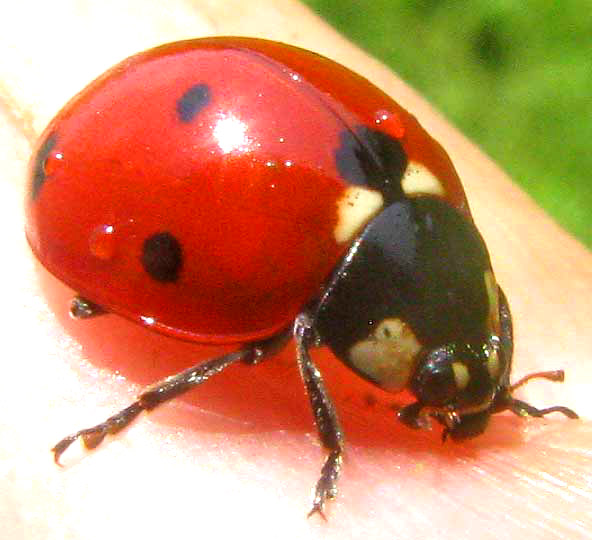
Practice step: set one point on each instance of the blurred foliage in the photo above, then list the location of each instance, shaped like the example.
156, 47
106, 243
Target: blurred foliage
515, 76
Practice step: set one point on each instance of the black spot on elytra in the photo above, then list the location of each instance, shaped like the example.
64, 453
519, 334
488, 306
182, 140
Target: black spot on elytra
38, 175
192, 102
374, 159
162, 257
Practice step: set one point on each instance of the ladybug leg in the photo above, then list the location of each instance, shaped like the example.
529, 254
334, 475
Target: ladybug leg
521, 408
325, 416
167, 389
81, 308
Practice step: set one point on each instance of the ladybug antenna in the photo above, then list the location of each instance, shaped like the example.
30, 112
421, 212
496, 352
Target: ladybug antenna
521, 408
557, 375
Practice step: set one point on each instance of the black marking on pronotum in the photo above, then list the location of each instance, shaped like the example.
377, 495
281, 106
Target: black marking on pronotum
420, 261
38, 175
162, 257
192, 102
374, 159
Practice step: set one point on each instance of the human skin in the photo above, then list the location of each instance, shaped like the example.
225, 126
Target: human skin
239, 455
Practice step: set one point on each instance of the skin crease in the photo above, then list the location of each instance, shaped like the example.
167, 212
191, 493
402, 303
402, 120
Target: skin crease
239, 455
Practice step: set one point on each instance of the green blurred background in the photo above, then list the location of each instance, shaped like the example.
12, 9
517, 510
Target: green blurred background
514, 75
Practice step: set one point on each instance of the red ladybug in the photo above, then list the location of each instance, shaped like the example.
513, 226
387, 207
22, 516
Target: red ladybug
236, 190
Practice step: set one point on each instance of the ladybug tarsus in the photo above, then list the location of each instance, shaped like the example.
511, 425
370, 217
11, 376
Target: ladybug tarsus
521, 408
94, 436
61, 447
326, 488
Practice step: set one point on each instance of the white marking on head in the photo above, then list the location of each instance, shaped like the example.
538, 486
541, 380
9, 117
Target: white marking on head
493, 364
357, 206
388, 355
461, 375
419, 180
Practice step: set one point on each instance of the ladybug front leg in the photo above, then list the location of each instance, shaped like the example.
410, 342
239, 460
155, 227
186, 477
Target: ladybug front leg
324, 413
170, 388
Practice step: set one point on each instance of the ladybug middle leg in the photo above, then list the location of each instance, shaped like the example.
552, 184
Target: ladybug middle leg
325, 416
170, 388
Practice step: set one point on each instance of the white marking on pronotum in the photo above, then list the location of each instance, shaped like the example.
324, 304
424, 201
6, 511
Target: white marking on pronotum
357, 206
419, 180
461, 375
388, 355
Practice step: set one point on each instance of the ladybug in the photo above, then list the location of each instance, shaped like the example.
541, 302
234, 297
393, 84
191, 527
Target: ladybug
240, 191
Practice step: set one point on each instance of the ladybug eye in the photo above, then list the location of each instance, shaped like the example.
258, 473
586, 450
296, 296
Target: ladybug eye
440, 378
162, 257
